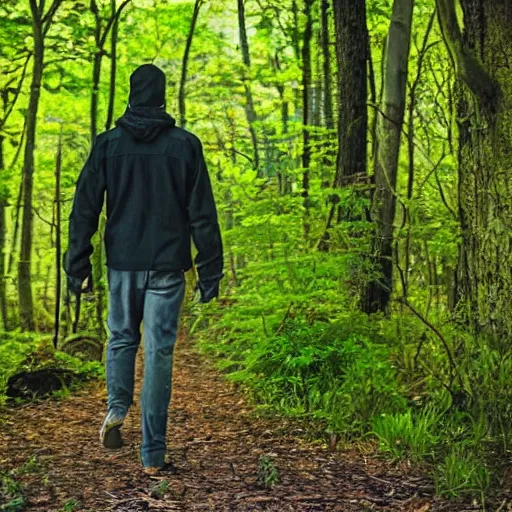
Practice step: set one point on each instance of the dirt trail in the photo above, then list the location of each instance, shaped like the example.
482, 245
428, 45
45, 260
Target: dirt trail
215, 441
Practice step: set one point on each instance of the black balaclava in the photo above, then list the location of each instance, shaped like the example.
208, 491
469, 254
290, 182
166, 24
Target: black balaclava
145, 116
147, 87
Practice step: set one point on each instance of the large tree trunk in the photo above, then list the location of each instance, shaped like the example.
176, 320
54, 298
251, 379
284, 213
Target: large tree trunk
24, 272
351, 57
184, 64
482, 55
389, 128
351, 53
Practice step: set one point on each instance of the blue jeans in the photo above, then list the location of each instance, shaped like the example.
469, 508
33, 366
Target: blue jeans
155, 297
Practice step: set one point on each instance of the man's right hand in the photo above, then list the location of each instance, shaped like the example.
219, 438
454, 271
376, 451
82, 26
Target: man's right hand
76, 285
208, 289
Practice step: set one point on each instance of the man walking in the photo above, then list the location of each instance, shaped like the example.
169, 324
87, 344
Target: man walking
159, 196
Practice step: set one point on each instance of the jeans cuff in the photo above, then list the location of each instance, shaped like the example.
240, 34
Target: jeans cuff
153, 459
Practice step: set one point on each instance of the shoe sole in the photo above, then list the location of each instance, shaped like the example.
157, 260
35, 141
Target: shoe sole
112, 438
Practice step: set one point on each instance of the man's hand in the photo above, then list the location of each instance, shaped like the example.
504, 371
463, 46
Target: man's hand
208, 290
76, 285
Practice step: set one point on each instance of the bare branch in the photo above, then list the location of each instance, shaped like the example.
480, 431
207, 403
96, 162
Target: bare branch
17, 94
48, 17
111, 21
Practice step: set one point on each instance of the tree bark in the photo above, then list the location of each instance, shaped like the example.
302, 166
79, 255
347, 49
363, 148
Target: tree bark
351, 57
250, 111
351, 52
482, 54
24, 272
389, 128
184, 65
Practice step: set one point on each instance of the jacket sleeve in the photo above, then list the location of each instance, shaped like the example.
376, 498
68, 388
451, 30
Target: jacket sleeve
83, 222
204, 227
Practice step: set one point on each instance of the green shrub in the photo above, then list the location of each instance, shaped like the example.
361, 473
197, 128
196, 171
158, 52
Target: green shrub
409, 435
340, 372
461, 473
29, 352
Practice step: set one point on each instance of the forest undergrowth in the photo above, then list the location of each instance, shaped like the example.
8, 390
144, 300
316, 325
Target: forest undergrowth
424, 390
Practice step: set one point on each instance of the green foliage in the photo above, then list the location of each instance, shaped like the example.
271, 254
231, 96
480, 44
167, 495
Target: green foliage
409, 435
11, 499
29, 352
70, 505
462, 473
268, 474
11, 492
340, 372
160, 490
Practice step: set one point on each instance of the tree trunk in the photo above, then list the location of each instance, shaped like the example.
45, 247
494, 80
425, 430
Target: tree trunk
113, 68
96, 70
351, 52
327, 73
58, 249
97, 256
17, 209
389, 128
351, 57
330, 155
482, 54
250, 112
96, 74
3, 205
16, 230
284, 182
184, 64
24, 272
306, 117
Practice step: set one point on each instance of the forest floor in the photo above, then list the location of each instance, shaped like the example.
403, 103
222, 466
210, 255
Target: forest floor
215, 440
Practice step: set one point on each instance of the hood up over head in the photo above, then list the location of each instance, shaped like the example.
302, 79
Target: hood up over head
145, 116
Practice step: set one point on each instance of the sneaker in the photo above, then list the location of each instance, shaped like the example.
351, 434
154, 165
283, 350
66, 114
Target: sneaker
155, 471
110, 433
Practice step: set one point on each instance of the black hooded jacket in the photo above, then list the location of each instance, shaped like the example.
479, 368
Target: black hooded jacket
158, 192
